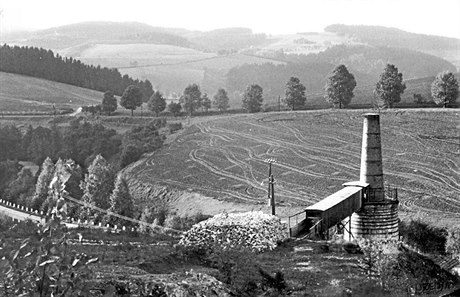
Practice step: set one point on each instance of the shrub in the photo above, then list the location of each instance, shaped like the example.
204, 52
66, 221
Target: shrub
409, 273
237, 268
173, 222
129, 155
453, 242
426, 238
173, 127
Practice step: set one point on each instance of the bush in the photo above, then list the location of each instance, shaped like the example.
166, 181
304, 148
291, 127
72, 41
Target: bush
453, 242
426, 238
183, 223
173, 127
129, 155
237, 268
408, 273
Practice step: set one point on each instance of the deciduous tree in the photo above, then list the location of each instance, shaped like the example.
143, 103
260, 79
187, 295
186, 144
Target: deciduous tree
339, 87
390, 86
205, 102
22, 188
444, 89
221, 100
295, 93
253, 98
109, 102
131, 98
156, 103
174, 108
191, 99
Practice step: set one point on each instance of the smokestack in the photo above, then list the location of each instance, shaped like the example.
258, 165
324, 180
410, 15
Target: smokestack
378, 216
371, 156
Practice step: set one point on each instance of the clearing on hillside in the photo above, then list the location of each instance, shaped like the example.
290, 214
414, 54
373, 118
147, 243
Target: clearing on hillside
21, 93
315, 153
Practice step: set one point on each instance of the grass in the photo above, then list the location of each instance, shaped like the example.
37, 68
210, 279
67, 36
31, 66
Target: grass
22, 94
169, 68
315, 153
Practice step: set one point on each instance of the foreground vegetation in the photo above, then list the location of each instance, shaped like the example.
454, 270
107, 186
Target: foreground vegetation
52, 260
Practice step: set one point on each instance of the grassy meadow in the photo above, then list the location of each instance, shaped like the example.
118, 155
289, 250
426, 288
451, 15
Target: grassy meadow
24, 94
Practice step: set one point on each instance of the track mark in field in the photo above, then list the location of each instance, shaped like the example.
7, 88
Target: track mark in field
226, 157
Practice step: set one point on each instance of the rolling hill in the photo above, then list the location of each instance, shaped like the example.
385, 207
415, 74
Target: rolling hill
27, 94
442, 47
172, 58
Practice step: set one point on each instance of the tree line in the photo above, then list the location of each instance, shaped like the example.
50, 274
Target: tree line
42, 63
81, 141
191, 101
338, 91
364, 61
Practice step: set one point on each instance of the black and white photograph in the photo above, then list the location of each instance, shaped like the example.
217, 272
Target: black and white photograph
229, 148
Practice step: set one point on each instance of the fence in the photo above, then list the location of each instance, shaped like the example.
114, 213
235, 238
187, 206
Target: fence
39, 216
390, 193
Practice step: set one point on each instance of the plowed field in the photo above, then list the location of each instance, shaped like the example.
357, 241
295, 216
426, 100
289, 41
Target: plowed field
315, 153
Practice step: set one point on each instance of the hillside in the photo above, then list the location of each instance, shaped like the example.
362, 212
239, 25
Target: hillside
27, 94
172, 58
169, 68
365, 62
443, 47
219, 162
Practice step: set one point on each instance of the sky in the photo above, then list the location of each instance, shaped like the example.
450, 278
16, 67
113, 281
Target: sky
435, 17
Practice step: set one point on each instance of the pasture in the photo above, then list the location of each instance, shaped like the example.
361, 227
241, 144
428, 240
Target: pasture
169, 68
21, 94
315, 151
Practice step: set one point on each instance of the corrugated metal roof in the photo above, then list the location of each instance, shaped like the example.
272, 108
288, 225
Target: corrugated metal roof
334, 199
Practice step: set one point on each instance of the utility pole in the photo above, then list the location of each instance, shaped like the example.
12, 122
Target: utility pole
272, 198
271, 182
279, 103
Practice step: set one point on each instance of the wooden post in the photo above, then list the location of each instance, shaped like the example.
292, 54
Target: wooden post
269, 176
272, 198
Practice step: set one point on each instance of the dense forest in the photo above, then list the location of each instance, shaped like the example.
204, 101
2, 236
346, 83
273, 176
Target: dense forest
42, 63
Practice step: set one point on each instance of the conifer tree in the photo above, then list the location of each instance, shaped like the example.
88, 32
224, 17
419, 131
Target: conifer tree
121, 202
42, 185
65, 181
97, 186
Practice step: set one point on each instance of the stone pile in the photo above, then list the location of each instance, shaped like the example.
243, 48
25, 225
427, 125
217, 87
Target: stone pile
254, 230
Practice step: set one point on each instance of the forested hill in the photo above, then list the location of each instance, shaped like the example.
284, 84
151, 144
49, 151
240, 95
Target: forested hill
89, 32
365, 62
42, 63
383, 36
